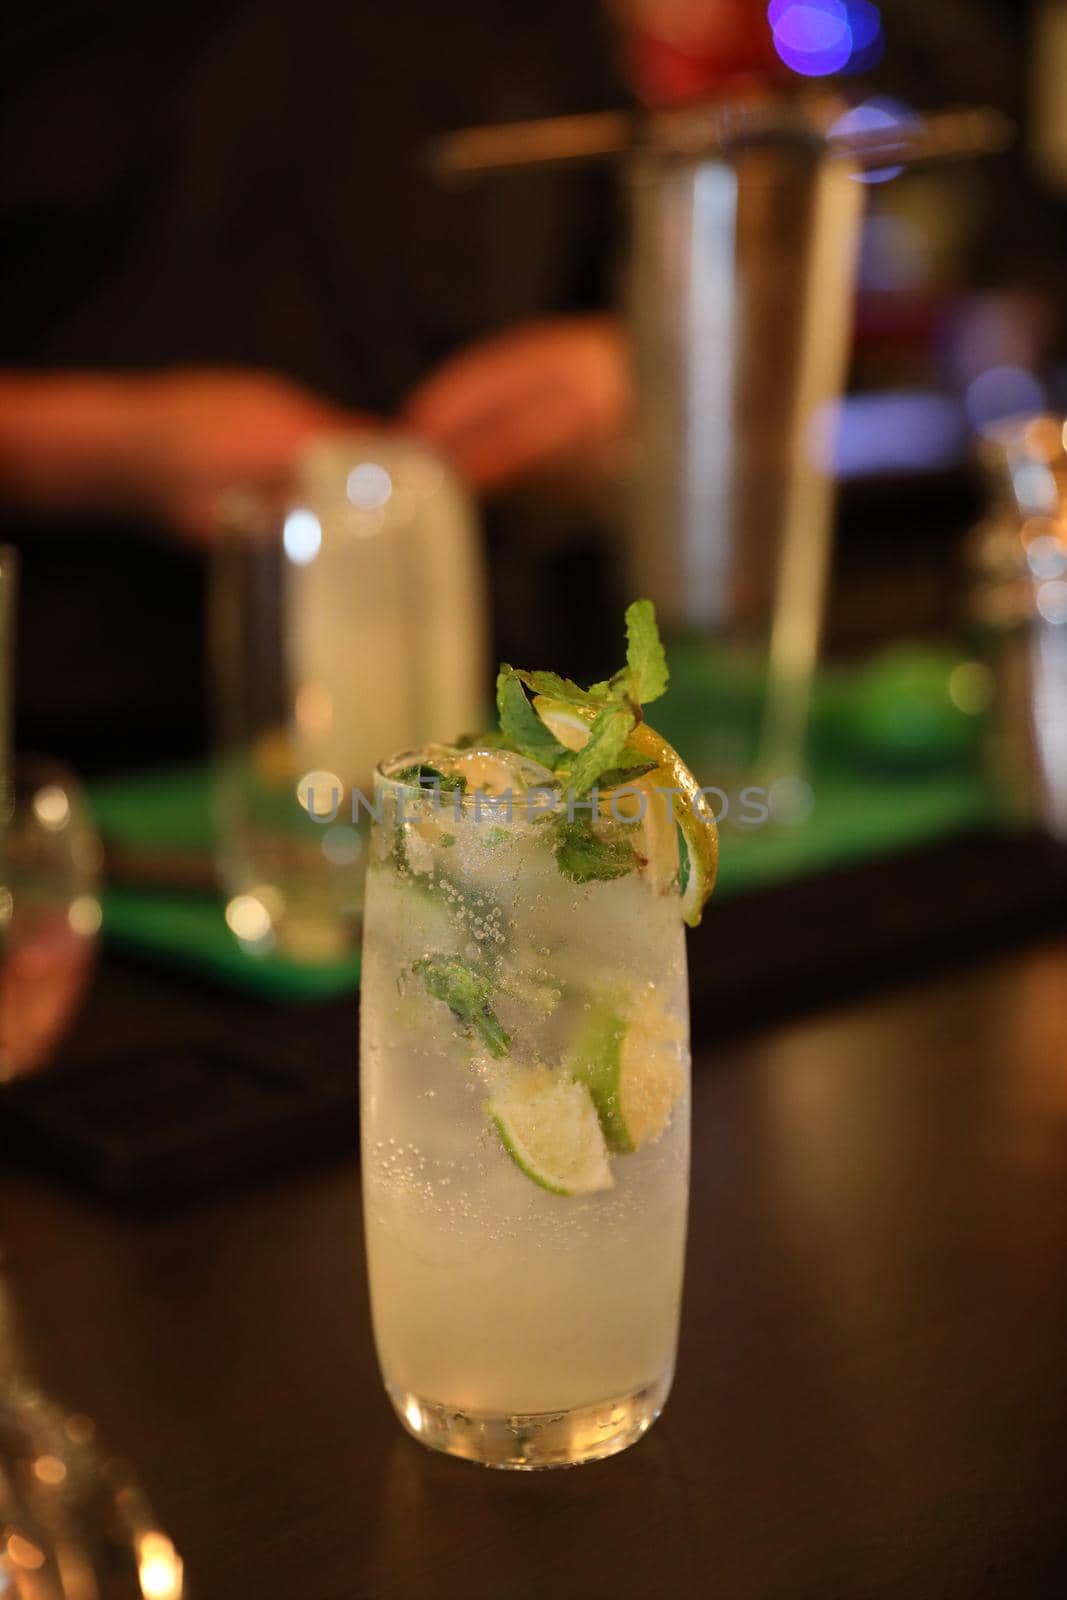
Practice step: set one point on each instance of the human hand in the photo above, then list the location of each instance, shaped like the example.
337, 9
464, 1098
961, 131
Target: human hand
159, 445
549, 399
200, 431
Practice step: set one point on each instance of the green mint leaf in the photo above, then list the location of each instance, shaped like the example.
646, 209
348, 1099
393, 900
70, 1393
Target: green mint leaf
607, 739
618, 777
557, 688
467, 995
615, 700
520, 724
583, 857
428, 777
645, 656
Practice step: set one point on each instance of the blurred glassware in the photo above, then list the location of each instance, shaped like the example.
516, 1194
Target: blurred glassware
745, 249
49, 912
73, 1525
348, 619
1018, 607
746, 227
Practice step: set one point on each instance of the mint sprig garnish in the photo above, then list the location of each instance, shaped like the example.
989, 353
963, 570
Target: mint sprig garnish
617, 702
468, 995
608, 734
520, 724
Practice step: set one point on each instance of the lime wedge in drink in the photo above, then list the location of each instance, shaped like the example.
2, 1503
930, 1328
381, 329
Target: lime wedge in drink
633, 1069
549, 1127
691, 812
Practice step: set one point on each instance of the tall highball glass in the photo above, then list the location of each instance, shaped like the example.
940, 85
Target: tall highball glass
525, 1114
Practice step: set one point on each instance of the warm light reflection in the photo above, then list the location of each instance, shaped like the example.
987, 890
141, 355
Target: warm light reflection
369, 486
302, 536
22, 1552
50, 1470
319, 793
1041, 437
248, 918
51, 807
85, 916
159, 1568
413, 1413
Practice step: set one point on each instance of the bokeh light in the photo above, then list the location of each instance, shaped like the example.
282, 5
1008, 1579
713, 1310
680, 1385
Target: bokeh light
248, 919
879, 114
818, 37
868, 39
51, 807
342, 845
1001, 393
369, 486
302, 536
1052, 601
887, 433
970, 687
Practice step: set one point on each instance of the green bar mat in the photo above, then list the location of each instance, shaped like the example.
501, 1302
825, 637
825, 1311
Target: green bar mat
893, 767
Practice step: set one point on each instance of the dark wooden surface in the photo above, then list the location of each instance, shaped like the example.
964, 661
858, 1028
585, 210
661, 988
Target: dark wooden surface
872, 1389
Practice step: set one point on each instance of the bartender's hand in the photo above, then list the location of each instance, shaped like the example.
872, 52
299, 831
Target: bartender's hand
549, 399
161, 445
199, 432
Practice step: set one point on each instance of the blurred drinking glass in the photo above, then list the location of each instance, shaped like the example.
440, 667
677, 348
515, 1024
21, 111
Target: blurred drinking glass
49, 880
1018, 604
49, 912
77, 1525
348, 618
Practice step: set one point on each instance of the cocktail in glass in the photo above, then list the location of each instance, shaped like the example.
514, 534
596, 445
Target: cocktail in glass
525, 1104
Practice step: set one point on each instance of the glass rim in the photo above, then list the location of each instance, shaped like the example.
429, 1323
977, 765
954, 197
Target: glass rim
467, 800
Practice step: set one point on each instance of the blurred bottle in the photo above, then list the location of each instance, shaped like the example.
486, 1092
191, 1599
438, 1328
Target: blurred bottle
348, 622
1018, 606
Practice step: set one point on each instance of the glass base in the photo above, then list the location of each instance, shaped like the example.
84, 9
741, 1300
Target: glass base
529, 1443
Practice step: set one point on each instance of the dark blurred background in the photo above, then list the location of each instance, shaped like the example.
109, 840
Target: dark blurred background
243, 188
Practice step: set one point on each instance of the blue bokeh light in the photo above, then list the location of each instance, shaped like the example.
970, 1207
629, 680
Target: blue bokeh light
880, 113
812, 37
868, 40
1003, 393
818, 37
